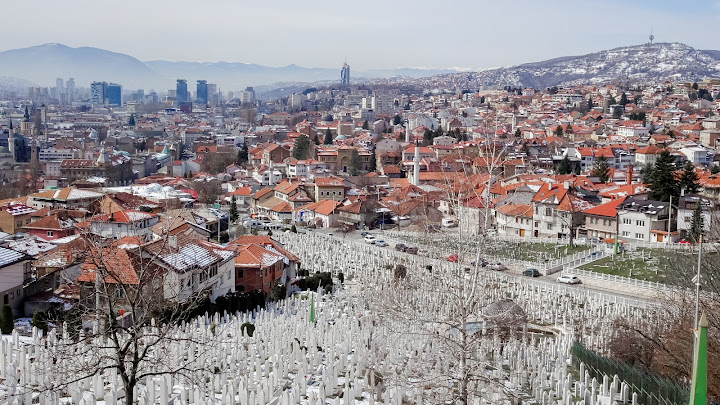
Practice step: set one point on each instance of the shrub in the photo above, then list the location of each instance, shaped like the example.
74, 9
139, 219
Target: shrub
6, 320
39, 320
293, 229
341, 277
278, 292
248, 328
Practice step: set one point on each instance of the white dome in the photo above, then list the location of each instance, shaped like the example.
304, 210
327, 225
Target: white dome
168, 189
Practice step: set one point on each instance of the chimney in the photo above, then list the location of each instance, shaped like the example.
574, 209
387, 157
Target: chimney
629, 174
172, 241
567, 184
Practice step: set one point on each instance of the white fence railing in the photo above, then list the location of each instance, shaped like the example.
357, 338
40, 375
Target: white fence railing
654, 285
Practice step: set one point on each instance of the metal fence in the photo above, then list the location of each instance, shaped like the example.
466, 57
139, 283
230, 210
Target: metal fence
650, 388
653, 285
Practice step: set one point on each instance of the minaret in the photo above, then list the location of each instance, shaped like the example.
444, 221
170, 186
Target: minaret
416, 166
407, 131
11, 141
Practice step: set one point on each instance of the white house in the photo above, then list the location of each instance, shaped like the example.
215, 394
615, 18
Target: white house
120, 224
643, 220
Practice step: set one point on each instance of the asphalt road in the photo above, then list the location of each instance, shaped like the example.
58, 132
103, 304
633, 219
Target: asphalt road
616, 289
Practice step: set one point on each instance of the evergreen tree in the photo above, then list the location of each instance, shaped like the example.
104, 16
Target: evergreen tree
559, 130
647, 174
354, 163
233, 209
328, 137
39, 320
131, 122
316, 139
365, 125
242, 156
397, 119
373, 161
301, 147
428, 137
6, 320
577, 169
715, 169
601, 169
623, 99
697, 223
695, 86
568, 129
689, 180
293, 228
663, 183
565, 167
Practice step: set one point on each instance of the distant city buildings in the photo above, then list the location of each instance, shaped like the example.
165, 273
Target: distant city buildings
345, 74
98, 92
181, 91
202, 92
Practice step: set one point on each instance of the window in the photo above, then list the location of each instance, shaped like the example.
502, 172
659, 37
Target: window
549, 226
605, 222
626, 233
627, 221
639, 236
548, 211
49, 233
640, 222
119, 292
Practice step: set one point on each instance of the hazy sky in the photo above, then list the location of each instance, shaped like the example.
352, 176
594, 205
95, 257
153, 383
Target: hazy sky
369, 33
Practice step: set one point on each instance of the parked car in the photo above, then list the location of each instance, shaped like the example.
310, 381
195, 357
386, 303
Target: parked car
568, 279
412, 250
481, 263
497, 266
452, 258
369, 239
380, 243
400, 247
364, 234
531, 273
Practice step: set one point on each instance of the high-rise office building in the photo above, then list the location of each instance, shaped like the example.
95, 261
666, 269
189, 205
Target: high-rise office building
181, 93
59, 85
98, 92
202, 92
70, 89
114, 94
345, 74
247, 96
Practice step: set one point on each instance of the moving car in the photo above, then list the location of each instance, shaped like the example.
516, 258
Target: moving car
531, 273
452, 258
400, 247
364, 234
369, 239
497, 266
412, 250
568, 279
380, 243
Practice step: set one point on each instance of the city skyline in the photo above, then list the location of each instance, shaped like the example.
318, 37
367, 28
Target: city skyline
469, 36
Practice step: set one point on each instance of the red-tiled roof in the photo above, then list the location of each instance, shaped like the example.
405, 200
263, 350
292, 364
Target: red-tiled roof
608, 209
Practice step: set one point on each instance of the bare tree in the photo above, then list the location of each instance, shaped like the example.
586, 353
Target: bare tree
133, 298
443, 309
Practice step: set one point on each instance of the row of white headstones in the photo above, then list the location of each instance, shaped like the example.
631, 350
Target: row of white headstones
290, 360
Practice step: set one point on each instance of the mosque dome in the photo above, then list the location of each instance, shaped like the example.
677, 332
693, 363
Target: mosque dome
328, 118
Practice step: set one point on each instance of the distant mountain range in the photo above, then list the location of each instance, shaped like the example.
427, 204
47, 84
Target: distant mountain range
634, 63
40, 65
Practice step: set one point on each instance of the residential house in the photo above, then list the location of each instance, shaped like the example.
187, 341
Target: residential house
52, 227
15, 269
329, 188
647, 155
710, 215
514, 220
557, 212
13, 217
321, 214
644, 220
69, 198
120, 224
601, 221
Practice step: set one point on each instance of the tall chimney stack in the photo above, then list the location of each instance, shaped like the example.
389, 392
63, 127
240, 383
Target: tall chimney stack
629, 174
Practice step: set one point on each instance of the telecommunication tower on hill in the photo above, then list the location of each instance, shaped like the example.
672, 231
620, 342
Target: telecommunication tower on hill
652, 37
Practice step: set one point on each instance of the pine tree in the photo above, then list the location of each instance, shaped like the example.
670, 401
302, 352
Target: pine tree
565, 167
428, 137
697, 223
663, 183
301, 147
328, 137
373, 161
558, 130
233, 209
601, 170
366, 125
316, 139
131, 122
397, 119
623, 99
6, 320
689, 180
354, 163
242, 156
